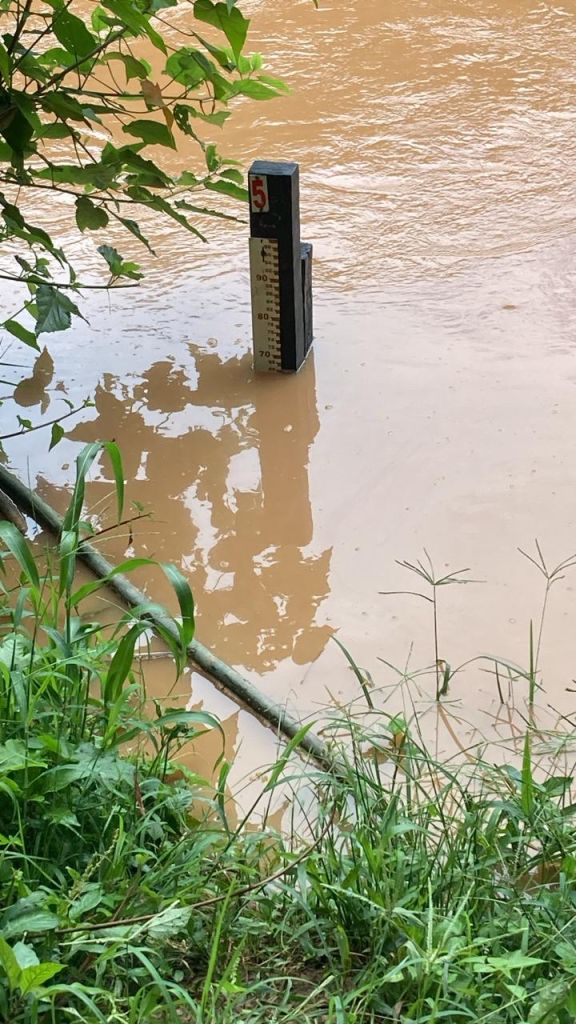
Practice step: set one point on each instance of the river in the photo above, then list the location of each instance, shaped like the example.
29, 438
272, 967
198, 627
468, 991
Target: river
437, 147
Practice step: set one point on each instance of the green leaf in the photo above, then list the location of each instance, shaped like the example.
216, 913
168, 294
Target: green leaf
17, 331
83, 463
55, 130
73, 34
90, 588
9, 963
154, 202
16, 129
25, 955
90, 216
121, 664
188, 718
183, 113
185, 600
134, 68
152, 133
55, 310
233, 175
32, 978
118, 266
225, 57
228, 188
228, 19
67, 550
274, 83
188, 67
63, 106
14, 755
127, 14
212, 158
18, 547
113, 452
5, 64
255, 89
134, 228
56, 435
168, 923
30, 921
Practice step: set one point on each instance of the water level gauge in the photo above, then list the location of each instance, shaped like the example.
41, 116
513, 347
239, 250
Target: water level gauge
280, 269
265, 280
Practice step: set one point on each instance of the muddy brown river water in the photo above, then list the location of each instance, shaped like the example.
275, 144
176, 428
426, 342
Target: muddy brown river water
437, 144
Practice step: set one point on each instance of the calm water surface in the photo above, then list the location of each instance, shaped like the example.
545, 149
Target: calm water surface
437, 145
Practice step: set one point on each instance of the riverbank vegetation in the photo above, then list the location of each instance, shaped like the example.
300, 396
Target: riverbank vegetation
404, 889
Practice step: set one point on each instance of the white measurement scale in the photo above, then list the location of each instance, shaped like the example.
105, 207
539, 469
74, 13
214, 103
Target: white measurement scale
265, 287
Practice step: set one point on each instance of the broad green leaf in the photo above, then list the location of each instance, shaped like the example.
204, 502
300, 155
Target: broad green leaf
254, 89
188, 67
73, 34
225, 57
5, 64
228, 188
15, 756
55, 310
18, 547
15, 128
68, 174
118, 266
63, 106
91, 897
233, 175
55, 130
155, 202
167, 923
9, 963
32, 68
228, 19
17, 331
90, 216
30, 921
211, 157
152, 133
206, 211
33, 978
134, 68
55, 57
25, 955
183, 113
129, 16
274, 83
56, 435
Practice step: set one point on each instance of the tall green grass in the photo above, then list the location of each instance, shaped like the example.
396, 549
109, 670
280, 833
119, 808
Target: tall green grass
413, 891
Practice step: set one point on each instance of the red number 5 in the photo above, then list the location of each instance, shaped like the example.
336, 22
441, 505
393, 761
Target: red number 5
259, 194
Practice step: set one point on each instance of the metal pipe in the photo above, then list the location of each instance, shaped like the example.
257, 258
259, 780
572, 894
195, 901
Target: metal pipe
226, 677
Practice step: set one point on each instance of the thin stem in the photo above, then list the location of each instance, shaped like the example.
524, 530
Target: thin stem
40, 426
436, 657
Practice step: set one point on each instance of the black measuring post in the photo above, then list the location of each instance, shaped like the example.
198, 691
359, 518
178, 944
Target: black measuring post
280, 268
